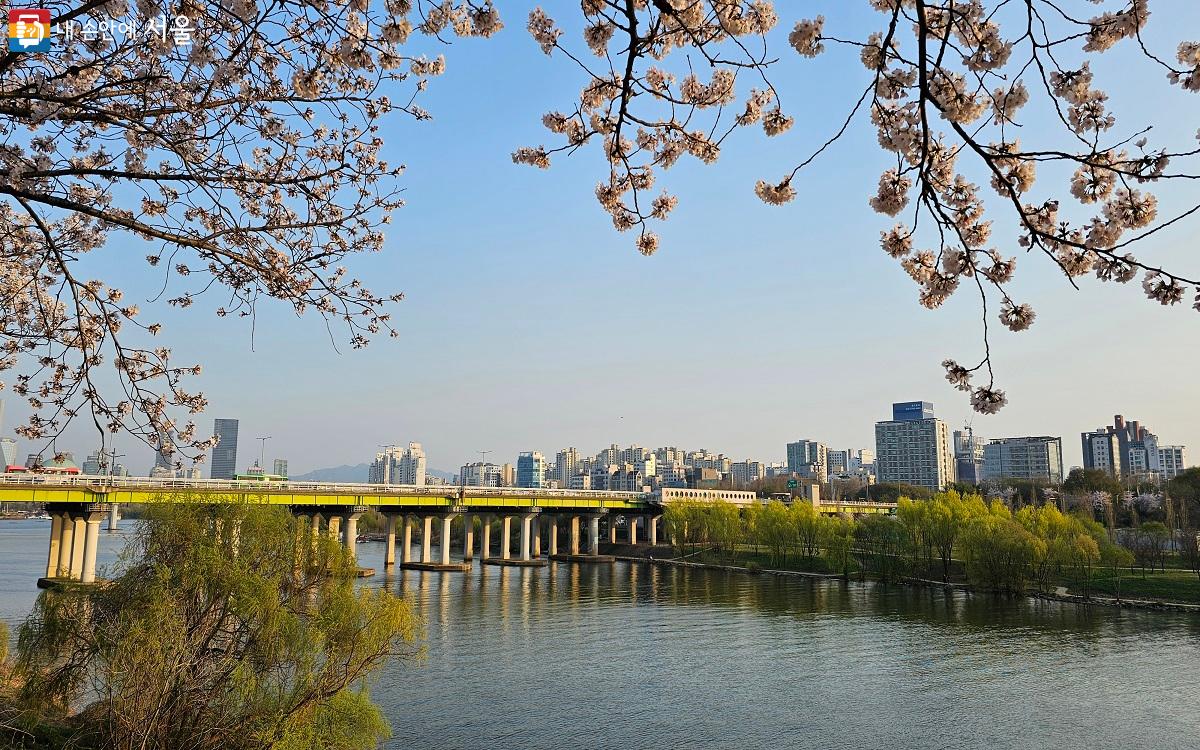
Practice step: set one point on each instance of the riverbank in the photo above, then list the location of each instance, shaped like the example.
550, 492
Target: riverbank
659, 556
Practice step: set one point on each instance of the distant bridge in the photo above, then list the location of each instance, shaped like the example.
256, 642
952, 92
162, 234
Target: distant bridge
78, 504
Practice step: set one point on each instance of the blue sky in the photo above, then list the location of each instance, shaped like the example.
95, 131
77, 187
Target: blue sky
529, 324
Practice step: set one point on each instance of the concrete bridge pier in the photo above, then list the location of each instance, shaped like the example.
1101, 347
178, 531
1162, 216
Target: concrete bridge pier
406, 548
574, 552
553, 536
612, 531
631, 531
56, 530
91, 542
652, 530
316, 528
537, 537
77, 544
389, 542
66, 540
526, 539
485, 539
427, 539
468, 537
112, 517
74, 541
447, 520
350, 532
334, 527
528, 547
427, 561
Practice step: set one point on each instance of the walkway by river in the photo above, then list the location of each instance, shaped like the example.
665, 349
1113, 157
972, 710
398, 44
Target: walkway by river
634, 656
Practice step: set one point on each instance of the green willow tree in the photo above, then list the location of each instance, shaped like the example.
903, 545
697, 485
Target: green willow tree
227, 627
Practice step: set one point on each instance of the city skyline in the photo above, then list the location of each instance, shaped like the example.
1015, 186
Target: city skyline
442, 463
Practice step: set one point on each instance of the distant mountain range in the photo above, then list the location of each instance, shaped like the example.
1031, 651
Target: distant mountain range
355, 473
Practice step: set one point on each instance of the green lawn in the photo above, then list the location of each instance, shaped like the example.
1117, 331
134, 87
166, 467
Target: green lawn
1173, 585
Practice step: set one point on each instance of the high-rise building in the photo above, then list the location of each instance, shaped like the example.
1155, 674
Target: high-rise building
777, 469
564, 466
1024, 458
747, 472
808, 458
280, 468
92, 465
1133, 449
8, 451
580, 481
531, 469
839, 461
396, 465
480, 474
412, 465
1101, 450
914, 447
1148, 458
968, 456
862, 461
670, 473
664, 455
224, 454
610, 455
508, 475
1167, 461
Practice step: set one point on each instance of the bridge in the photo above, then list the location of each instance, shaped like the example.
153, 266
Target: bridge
79, 504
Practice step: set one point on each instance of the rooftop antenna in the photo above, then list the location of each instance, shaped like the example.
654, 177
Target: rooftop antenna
483, 456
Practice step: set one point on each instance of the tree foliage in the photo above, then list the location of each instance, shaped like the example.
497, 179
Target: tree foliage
248, 164
225, 627
945, 84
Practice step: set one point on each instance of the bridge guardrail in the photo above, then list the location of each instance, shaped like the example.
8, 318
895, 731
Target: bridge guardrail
84, 481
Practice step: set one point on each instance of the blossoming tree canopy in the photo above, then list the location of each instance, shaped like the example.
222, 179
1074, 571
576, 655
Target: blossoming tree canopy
944, 84
247, 161
244, 157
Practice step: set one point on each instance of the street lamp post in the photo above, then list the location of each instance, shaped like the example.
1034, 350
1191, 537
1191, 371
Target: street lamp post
262, 450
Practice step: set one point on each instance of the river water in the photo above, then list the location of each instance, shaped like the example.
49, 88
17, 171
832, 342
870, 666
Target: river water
586, 657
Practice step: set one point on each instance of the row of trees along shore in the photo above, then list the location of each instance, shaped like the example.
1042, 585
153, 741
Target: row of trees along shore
948, 537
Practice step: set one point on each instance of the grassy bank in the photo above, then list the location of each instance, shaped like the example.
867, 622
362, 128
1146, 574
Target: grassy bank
1172, 585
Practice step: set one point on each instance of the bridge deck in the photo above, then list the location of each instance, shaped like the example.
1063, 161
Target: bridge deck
89, 489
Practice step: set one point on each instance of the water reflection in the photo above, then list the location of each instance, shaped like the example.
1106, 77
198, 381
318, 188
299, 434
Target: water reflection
635, 655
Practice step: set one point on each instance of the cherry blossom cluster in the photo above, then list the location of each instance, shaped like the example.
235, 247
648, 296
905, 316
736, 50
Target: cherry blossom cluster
244, 166
646, 111
945, 85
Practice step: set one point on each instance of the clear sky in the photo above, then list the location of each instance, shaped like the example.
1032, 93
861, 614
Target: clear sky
530, 324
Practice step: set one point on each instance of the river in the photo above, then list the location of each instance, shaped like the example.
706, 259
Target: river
584, 657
